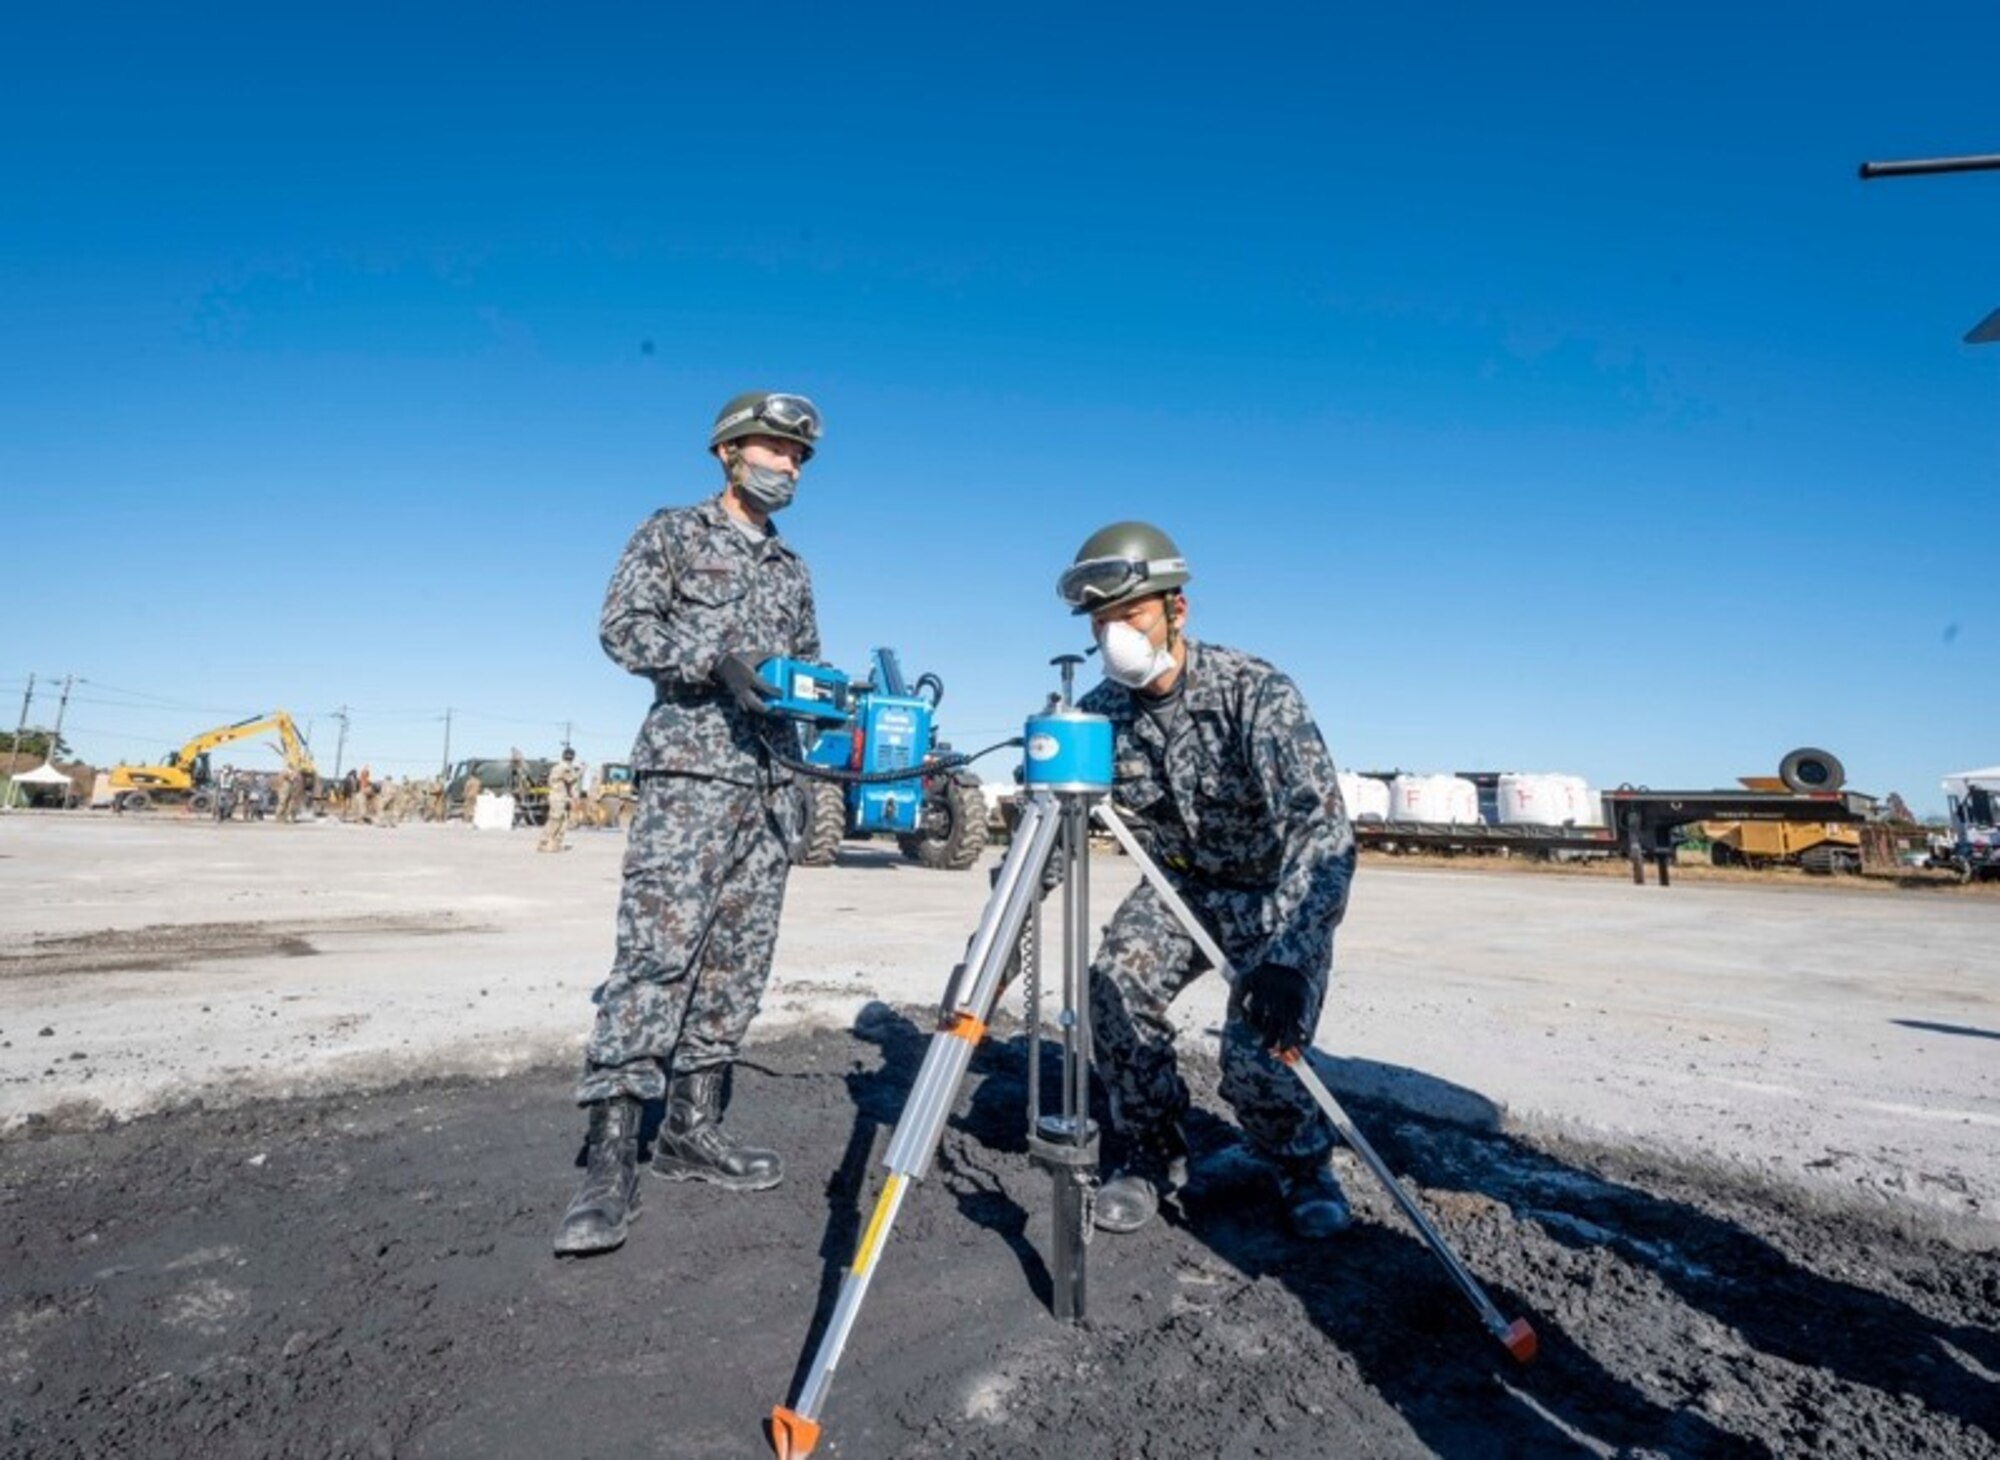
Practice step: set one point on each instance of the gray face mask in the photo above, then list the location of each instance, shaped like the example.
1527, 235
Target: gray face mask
765, 489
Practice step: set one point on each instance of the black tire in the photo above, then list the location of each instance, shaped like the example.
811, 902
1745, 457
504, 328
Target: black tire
825, 824
1807, 769
954, 827
202, 803
137, 801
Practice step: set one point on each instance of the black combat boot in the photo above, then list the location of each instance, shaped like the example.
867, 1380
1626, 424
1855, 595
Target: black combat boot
608, 1201
1151, 1169
692, 1145
1313, 1202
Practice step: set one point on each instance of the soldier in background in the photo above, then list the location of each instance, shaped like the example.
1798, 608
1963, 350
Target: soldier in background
288, 795
565, 789
469, 797
700, 597
1219, 767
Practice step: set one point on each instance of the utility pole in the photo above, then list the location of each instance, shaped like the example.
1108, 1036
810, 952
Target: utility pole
567, 724
447, 742
7, 801
61, 705
340, 745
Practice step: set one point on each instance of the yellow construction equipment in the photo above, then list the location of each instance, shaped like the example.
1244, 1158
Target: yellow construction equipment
1817, 847
183, 774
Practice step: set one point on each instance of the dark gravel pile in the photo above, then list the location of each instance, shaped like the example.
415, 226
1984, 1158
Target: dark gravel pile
370, 1276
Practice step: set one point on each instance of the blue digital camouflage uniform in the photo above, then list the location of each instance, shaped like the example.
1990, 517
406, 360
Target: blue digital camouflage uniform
707, 854
1229, 785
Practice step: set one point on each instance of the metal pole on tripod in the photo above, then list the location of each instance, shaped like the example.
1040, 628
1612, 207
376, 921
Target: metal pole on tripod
1064, 1143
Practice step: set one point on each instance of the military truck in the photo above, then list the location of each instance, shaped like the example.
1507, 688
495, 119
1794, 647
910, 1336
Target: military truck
526, 780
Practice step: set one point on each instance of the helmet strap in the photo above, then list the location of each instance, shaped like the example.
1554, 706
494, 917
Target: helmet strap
1170, 602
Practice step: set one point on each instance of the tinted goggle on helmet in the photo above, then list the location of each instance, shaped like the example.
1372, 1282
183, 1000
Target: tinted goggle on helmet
1098, 582
790, 416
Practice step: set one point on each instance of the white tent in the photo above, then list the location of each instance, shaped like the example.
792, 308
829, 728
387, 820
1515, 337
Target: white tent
21, 783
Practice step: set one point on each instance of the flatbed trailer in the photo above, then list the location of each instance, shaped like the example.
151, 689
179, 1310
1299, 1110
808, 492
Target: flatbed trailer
1639, 823
1453, 835
1647, 819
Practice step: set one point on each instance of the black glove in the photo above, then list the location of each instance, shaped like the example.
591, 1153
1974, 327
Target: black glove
1274, 1000
737, 674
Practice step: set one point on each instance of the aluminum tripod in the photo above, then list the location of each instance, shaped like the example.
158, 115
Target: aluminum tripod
1055, 827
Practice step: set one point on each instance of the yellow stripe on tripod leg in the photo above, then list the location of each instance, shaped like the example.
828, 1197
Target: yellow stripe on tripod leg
871, 1240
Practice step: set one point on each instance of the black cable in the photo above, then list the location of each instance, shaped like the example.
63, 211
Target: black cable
877, 778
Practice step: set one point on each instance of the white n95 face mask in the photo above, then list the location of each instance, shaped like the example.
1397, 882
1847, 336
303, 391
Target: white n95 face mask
1130, 658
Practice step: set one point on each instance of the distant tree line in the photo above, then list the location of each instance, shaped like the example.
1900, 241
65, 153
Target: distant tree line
35, 741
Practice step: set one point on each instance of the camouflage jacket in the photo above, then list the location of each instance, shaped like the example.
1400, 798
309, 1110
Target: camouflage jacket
690, 588
1233, 787
565, 783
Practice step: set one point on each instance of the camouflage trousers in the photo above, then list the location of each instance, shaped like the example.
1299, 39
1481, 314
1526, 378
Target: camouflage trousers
1144, 962
553, 829
704, 883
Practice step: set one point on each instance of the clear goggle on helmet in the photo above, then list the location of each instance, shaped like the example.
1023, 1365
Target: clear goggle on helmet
1098, 582
790, 416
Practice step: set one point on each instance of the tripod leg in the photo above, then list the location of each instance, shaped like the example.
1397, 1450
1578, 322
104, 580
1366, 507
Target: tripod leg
1516, 1337
961, 1025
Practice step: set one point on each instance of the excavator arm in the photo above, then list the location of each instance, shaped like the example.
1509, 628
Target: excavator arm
177, 772
276, 723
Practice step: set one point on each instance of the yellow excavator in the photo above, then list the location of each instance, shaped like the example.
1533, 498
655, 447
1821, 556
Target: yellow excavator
183, 774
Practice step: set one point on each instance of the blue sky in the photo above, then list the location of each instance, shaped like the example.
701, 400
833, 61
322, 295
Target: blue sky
1537, 385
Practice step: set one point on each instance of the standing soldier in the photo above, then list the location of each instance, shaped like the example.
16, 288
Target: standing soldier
565, 788
1218, 764
469, 798
288, 792
701, 596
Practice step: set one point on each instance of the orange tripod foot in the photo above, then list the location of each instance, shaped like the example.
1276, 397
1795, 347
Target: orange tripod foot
793, 1435
1519, 1340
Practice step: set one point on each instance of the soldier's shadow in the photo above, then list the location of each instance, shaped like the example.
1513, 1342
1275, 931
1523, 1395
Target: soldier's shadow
996, 1117
879, 1096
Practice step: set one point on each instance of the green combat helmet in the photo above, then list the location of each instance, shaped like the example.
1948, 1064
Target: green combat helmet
767, 413
1124, 561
